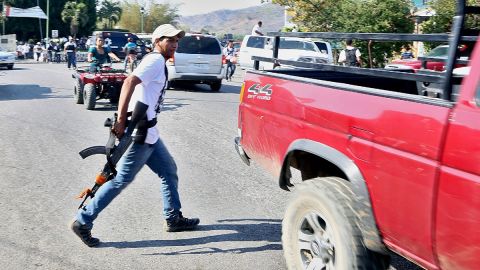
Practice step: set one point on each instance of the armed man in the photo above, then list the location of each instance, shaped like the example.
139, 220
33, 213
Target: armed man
146, 86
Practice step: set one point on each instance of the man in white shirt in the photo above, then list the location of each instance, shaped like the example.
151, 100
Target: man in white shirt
256, 29
350, 56
70, 49
146, 84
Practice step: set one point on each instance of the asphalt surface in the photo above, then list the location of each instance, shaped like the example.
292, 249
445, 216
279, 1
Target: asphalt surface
240, 207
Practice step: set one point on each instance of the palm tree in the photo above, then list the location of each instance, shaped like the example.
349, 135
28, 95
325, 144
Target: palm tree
109, 11
76, 14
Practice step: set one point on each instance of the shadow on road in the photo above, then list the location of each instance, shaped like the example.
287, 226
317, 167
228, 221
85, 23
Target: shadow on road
203, 88
260, 231
27, 92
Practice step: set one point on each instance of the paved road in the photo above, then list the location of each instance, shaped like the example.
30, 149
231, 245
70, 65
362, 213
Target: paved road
41, 172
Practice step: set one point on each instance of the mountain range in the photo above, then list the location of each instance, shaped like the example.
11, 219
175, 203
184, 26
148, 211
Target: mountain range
236, 22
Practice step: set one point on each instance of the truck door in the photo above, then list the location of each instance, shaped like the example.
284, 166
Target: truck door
457, 233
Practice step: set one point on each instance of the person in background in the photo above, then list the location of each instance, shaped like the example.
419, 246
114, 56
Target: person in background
130, 52
37, 49
256, 29
407, 53
350, 56
99, 54
229, 53
70, 49
50, 51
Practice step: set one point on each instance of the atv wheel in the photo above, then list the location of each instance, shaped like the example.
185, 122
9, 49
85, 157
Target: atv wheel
78, 92
320, 231
216, 85
89, 96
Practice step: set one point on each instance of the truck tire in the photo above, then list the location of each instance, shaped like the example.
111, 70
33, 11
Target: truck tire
89, 96
216, 85
78, 92
320, 228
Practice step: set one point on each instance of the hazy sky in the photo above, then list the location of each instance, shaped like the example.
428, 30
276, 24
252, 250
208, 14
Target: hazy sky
194, 7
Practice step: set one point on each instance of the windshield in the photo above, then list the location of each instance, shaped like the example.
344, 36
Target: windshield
438, 52
198, 45
296, 45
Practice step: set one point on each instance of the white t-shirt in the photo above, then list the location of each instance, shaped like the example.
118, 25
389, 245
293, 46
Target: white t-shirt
343, 57
151, 71
256, 28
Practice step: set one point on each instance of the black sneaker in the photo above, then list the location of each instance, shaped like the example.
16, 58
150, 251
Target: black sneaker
180, 223
85, 233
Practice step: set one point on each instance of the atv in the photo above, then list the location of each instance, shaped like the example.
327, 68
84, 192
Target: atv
105, 83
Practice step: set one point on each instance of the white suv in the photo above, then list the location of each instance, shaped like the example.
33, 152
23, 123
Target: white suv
198, 59
294, 49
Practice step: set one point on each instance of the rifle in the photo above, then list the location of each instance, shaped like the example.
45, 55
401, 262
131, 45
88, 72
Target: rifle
113, 152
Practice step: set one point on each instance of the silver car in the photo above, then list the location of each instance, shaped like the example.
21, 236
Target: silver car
198, 59
7, 59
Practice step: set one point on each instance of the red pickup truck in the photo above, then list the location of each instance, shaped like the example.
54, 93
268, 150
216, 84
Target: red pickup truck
372, 165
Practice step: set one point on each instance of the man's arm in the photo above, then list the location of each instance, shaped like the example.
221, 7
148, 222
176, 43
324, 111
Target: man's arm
125, 95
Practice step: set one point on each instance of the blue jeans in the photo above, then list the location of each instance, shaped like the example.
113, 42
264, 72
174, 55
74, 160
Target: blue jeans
71, 59
158, 159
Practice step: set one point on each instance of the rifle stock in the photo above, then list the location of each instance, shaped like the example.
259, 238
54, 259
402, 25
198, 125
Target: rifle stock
114, 155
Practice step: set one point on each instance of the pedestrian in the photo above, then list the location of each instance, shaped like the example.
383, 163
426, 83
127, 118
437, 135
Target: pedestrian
350, 56
229, 53
50, 51
130, 52
56, 52
26, 50
70, 49
99, 54
407, 53
256, 29
147, 85
37, 49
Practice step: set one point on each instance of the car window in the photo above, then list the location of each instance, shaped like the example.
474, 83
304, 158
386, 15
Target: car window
296, 45
322, 47
199, 45
438, 52
256, 42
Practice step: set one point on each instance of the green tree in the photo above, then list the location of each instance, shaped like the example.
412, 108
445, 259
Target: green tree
155, 15
75, 14
109, 13
441, 22
362, 16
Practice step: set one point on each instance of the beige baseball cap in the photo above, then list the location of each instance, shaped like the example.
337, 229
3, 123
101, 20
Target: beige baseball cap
167, 30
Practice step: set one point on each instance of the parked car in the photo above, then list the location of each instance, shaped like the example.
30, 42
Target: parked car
7, 59
295, 49
413, 65
198, 59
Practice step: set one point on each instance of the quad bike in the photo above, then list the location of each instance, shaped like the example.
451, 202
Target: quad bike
105, 83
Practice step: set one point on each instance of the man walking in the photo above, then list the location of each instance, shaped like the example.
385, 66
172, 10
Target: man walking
70, 49
350, 56
147, 85
229, 53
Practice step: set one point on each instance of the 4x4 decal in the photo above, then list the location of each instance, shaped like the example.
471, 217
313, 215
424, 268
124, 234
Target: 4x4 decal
260, 92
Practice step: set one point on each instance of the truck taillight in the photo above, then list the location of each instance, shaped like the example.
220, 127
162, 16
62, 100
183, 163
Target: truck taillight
224, 60
241, 91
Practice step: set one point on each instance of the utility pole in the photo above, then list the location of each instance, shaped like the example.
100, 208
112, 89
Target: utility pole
48, 18
142, 11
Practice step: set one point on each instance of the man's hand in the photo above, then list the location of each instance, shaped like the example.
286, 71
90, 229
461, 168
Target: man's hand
119, 129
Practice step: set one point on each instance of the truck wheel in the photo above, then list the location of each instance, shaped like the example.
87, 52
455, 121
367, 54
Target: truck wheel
78, 92
320, 231
89, 96
216, 85
10, 66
